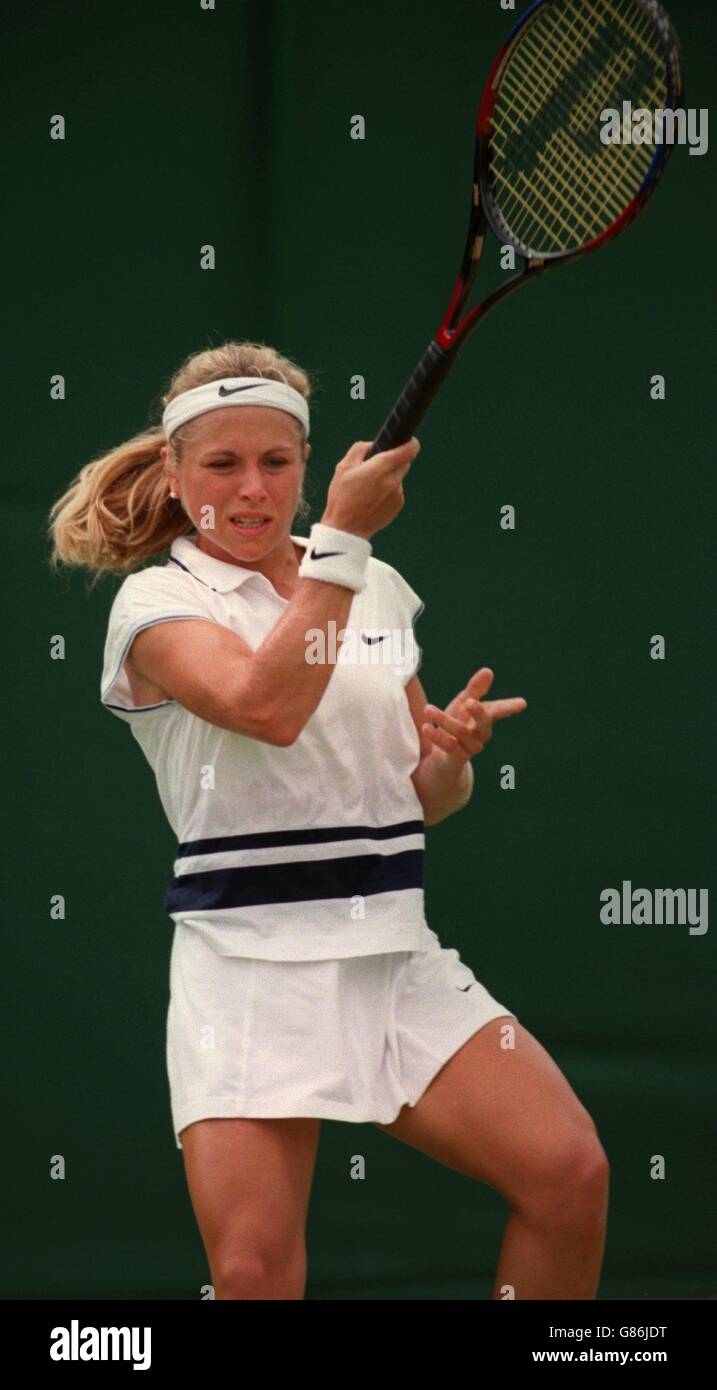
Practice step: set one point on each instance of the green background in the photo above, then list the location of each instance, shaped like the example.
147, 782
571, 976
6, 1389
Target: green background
231, 127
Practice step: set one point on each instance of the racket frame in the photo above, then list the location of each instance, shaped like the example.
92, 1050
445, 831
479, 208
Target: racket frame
453, 332
484, 129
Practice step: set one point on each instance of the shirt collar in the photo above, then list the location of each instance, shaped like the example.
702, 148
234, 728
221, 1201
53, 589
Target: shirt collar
220, 575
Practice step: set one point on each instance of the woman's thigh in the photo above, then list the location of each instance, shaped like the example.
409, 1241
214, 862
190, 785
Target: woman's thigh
249, 1181
503, 1114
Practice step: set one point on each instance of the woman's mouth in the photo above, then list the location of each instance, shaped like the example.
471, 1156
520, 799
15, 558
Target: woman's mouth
249, 525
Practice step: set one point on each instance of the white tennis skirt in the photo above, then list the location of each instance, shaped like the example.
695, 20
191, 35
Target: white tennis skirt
352, 1039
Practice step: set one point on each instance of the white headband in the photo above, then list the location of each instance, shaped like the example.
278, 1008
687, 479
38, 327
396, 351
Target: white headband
234, 390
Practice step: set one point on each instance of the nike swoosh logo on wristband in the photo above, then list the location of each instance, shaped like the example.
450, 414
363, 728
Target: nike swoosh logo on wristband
324, 554
232, 390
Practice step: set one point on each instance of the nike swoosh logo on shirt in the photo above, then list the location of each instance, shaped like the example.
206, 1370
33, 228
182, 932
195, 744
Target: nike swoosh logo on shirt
463, 988
232, 390
324, 554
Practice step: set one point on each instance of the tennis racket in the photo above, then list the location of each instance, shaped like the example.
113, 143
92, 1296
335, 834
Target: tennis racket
543, 180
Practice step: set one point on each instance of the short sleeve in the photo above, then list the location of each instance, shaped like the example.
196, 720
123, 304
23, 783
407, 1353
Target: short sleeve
410, 608
152, 596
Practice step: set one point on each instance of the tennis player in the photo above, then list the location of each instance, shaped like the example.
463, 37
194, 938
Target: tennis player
271, 681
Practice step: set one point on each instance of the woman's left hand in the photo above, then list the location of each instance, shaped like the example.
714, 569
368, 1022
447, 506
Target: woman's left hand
466, 724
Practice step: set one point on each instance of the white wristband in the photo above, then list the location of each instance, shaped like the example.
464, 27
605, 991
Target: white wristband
336, 557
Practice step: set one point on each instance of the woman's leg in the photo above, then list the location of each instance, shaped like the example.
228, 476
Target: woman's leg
249, 1182
508, 1117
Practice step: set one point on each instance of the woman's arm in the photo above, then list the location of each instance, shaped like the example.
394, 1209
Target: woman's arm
267, 694
450, 738
272, 692
442, 786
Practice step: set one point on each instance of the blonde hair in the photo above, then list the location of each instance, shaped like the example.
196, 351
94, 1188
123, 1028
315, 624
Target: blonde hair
118, 512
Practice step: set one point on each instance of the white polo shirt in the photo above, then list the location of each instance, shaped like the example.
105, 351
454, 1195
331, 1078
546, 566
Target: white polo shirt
308, 852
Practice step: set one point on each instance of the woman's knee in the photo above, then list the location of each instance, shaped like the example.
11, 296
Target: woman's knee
569, 1178
260, 1272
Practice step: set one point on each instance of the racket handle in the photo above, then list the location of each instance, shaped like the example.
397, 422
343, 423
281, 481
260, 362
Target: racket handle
414, 400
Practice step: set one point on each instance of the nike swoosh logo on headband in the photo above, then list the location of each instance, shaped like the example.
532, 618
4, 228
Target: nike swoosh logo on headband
324, 554
232, 390
366, 637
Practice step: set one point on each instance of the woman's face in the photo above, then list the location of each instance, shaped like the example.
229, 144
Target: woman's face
240, 464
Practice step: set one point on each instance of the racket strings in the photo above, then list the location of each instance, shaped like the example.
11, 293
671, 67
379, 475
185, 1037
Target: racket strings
604, 52
563, 168
536, 74
575, 115
605, 81
539, 64
539, 58
599, 93
555, 188
556, 184
556, 203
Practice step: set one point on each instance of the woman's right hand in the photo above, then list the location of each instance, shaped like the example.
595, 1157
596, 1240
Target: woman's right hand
364, 497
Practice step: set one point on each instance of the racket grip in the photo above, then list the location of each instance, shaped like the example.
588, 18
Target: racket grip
414, 400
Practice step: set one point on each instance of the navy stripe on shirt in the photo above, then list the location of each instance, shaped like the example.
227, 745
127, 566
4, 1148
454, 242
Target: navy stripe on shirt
317, 836
308, 880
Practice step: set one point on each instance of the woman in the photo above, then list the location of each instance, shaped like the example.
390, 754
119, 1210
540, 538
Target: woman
271, 682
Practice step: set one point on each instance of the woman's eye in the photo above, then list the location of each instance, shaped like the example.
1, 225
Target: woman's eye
223, 465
